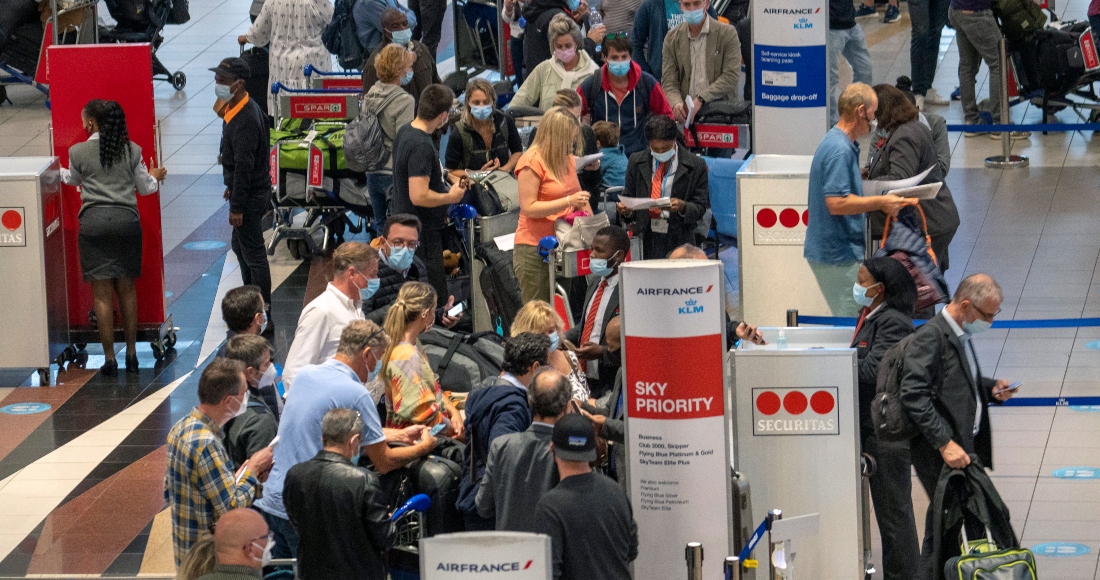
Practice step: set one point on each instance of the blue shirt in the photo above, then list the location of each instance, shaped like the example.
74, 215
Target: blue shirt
834, 239
613, 168
368, 21
318, 389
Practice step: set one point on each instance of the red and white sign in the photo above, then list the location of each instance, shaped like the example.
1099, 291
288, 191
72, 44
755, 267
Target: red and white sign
674, 389
498, 555
316, 167
13, 227
348, 82
318, 107
274, 165
715, 136
782, 225
795, 411
1088, 50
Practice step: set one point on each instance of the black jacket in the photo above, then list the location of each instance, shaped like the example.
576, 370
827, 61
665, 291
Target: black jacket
878, 333
689, 183
496, 409
966, 495
252, 431
610, 362
246, 168
390, 282
945, 412
340, 514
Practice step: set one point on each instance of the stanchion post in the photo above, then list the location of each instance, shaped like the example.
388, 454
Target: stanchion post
774, 574
732, 568
1006, 158
693, 553
792, 317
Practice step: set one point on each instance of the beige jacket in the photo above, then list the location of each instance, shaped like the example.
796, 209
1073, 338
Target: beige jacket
723, 64
543, 83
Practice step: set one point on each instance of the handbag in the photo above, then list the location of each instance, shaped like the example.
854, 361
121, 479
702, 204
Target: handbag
905, 238
577, 231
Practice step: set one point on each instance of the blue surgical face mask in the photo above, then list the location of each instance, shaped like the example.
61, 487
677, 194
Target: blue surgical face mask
400, 258
223, 92
377, 369
663, 157
402, 37
600, 267
695, 17
482, 113
407, 78
618, 68
977, 327
555, 341
372, 286
355, 458
859, 294
573, 5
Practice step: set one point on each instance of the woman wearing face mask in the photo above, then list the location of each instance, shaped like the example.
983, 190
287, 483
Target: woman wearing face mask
291, 29
569, 66
413, 396
906, 148
108, 167
886, 292
538, 15
623, 94
483, 139
538, 317
548, 189
394, 108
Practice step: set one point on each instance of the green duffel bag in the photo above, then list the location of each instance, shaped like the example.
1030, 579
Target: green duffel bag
1010, 564
291, 136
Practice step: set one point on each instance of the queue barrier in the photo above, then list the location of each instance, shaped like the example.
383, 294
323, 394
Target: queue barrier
1040, 127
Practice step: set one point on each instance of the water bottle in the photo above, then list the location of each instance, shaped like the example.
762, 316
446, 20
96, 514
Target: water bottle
594, 20
781, 340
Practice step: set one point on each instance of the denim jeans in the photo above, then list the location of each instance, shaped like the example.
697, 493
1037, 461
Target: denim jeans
979, 39
378, 185
929, 18
853, 45
286, 537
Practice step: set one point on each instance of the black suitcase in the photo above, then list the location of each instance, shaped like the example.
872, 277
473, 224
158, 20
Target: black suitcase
438, 478
22, 47
499, 286
1059, 60
743, 526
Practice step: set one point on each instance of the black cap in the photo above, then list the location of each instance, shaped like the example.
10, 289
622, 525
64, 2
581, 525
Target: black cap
234, 68
574, 438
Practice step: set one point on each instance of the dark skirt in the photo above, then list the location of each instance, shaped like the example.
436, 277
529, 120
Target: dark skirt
110, 243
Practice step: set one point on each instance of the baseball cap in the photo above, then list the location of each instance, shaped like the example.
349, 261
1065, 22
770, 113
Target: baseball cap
234, 68
574, 439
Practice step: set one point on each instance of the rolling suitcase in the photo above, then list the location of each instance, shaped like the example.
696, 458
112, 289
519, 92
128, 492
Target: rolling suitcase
499, 286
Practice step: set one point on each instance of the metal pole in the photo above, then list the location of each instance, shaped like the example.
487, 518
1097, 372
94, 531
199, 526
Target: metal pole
732, 568
792, 317
1006, 158
693, 553
772, 516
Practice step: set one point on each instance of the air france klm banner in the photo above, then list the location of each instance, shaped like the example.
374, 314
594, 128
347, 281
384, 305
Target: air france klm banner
495, 555
673, 324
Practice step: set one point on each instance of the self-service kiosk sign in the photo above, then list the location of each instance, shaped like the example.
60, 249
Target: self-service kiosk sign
795, 411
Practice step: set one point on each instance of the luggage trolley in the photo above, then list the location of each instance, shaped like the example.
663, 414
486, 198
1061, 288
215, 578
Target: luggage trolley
72, 22
343, 80
483, 230
479, 37
317, 189
721, 126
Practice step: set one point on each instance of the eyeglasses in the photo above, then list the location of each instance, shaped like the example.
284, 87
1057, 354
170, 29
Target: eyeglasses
370, 339
985, 315
412, 245
614, 35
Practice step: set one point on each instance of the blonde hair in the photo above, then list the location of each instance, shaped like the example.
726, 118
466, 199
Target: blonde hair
562, 25
412, 299
391, 62
855, 95
557, 139
356, 254
478, 84
535, 317
199, 560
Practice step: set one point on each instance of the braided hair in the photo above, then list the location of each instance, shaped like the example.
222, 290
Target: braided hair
114, 140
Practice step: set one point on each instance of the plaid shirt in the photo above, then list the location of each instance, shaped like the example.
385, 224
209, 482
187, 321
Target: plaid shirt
199, 484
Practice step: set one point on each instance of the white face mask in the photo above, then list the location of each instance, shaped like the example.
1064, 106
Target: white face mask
268, 377
244, 406
265, 560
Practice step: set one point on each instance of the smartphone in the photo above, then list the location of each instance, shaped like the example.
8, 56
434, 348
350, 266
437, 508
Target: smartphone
457, 310
437, 429
1011, 387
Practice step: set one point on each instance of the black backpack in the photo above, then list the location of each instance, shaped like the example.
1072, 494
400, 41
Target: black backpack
180, 12
890, 420
340, 38
461, 360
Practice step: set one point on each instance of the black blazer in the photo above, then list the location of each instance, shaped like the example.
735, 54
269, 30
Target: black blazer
945, 412
609, 363
878, 333
689, 184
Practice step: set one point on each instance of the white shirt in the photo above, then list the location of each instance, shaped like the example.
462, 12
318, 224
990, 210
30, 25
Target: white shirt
972, 361
597, 328
319, 329
512, 379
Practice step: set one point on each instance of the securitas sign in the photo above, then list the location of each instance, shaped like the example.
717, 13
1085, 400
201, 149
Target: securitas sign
779, 225
13, 227
795, 411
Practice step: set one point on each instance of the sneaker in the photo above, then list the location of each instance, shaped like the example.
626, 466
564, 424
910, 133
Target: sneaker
994, 136
920, 102
892, 14
1020, 135
865, 10
956, 95
933, 98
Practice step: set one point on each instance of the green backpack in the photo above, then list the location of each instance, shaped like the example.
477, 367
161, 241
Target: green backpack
1019, 18
292, 138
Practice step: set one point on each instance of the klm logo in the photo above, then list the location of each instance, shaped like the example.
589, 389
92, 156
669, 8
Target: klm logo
690, 307
803, 23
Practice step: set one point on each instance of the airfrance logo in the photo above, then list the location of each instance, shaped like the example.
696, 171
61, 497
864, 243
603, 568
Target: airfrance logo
674, 291
483, 568
792, 11
690, 307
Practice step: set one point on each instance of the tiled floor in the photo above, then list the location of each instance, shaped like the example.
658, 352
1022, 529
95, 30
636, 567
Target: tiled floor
80, 490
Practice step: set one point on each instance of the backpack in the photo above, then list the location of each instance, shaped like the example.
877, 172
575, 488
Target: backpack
497, 193
888, 416
1019, 19
340, 37
499, 286
462, 360
180, 12
365, 146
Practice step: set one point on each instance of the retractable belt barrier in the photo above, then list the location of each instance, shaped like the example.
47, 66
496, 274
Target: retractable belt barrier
1040, 127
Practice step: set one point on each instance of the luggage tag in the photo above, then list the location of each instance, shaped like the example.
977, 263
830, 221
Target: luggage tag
659, 225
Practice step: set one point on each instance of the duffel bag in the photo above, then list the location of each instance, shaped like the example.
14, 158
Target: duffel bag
1019, 19
1059, 58
461, 360
981, 560
292, 135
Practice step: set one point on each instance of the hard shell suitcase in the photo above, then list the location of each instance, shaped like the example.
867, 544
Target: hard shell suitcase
499, 286
743, 526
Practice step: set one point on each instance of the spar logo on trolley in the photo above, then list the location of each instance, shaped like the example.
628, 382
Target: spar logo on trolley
795, 411
779, 225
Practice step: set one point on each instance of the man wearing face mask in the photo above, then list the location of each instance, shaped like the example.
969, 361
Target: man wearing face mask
371, 24
945, 393
338, 507
834, 243
245, 170
244, 312
354, 279
201, 482
397, 28
670, 173
497, 407
712, 69
337, 383
242, 546
623, 94
610, 246
256, 427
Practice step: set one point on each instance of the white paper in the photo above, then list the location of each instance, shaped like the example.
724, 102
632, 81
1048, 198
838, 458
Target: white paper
637, 203
871, 188
583, 161
919, 191
506, 242
772, 78
274, 442
690, 102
